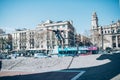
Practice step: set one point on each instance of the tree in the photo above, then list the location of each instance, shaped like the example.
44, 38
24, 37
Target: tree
6, 43
3, 44
87, 41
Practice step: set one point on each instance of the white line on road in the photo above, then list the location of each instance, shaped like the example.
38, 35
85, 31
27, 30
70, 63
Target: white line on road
81, 72
69, 71
78, 75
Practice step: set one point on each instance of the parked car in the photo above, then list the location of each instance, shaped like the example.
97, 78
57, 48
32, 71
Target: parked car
40, 55
108, 49
5, 56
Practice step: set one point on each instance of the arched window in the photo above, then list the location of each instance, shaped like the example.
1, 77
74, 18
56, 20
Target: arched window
113, 31
105, 32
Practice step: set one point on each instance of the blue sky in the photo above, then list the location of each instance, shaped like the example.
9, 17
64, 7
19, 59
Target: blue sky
28, 13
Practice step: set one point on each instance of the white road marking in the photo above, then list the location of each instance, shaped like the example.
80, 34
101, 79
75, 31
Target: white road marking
78, 75
69, 71
81, 72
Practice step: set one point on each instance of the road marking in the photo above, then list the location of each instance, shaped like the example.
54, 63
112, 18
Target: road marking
69, 71
78, 75
81, 72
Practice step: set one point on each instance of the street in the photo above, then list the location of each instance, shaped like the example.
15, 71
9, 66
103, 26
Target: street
107, 71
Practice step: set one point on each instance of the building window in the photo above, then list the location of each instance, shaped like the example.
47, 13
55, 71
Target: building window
113, 38
63, 26
118, 31
41, 46
53, 46
118, 45
114, 45
53, 42
113, 31
41, 42
119, 41
108, 31
65, 36
105, 32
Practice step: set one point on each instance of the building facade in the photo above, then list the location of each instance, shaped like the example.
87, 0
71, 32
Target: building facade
105, 36
19, 39
42, 39
81, 40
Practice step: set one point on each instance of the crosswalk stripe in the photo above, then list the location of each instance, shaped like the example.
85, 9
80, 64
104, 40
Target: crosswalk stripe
78, 75
81, 72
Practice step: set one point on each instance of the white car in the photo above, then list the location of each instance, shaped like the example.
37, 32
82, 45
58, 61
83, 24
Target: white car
40, 55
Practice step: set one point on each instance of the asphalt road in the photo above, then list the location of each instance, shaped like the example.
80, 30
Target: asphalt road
106, 71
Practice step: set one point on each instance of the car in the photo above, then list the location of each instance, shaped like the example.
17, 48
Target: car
108, 49
40, 55
5, 56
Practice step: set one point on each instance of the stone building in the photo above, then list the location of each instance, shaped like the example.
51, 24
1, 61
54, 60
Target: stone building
46, 40
41, 39
105, 36
19, 41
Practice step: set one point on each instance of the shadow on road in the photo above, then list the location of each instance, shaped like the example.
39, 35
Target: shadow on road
102, 72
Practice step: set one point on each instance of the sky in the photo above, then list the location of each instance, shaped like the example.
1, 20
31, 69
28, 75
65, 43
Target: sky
28, 14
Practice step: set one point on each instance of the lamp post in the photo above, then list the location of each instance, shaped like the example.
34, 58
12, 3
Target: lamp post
102, 37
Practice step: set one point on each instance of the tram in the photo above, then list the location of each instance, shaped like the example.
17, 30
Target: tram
76, 51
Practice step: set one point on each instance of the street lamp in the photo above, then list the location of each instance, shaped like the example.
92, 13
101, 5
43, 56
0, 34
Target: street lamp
102, 37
